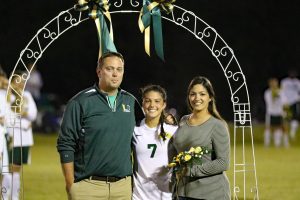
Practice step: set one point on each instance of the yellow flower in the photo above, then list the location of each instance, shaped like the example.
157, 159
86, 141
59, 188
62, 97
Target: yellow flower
198, 149
192, 149
171, 165
187, 157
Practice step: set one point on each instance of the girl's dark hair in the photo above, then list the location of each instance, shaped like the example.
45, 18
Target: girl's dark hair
212, 108
163, 93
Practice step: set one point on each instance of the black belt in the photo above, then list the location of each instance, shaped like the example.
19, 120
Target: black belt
108, 179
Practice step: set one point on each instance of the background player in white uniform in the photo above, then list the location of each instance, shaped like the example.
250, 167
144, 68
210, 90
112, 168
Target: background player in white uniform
4, 106
275, 113
150, 145
291, 88
22, 137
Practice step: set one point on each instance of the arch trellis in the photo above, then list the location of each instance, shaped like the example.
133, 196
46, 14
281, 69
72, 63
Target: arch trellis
244, 177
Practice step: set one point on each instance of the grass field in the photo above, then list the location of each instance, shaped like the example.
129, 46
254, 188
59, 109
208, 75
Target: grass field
278, 170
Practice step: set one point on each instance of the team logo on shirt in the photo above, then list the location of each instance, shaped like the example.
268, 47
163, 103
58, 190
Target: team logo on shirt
168, 135
126, 108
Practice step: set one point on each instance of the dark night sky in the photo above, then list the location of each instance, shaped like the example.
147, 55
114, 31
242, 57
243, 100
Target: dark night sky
263, 34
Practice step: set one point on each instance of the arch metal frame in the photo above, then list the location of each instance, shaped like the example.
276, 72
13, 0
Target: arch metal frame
219, 49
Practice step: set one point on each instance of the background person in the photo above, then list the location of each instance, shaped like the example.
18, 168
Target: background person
21, 134
4, 106
291, 89
34, 83
276, 102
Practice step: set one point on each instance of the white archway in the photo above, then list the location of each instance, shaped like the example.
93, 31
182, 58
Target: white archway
245, 178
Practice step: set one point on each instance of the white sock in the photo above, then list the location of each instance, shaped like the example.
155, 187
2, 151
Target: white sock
16, 186
277, 137
286, 140
6, 186
294, 126
267, 137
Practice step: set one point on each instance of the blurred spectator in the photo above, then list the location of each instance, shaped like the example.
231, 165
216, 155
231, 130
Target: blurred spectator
275, 112
34, 83
49, 105
22, 136
291, 88
50, 113
172, 117
3, 106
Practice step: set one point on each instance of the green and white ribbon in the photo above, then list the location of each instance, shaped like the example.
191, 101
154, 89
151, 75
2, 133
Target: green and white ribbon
151, 14
97, 10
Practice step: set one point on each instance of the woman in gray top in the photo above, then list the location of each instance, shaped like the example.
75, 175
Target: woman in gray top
203, 127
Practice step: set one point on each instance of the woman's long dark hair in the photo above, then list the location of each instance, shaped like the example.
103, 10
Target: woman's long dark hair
163, 93
212, 108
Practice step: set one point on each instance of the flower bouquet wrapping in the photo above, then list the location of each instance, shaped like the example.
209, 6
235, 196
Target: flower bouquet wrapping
185, 160
189, 158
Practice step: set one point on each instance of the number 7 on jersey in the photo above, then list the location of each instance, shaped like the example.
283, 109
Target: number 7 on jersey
153, 147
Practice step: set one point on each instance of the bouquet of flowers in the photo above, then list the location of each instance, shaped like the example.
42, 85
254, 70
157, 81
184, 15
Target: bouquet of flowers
188, 158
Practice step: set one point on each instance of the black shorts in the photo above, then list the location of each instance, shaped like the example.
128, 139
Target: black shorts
276, 120
19, 155
295, 109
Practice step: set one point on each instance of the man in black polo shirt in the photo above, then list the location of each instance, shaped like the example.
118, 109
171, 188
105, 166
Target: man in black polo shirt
95, 136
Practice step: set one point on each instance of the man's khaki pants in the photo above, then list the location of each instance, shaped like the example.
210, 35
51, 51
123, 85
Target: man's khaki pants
101, 190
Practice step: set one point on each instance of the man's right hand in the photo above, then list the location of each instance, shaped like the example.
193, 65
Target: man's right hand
68, 171
68, 187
